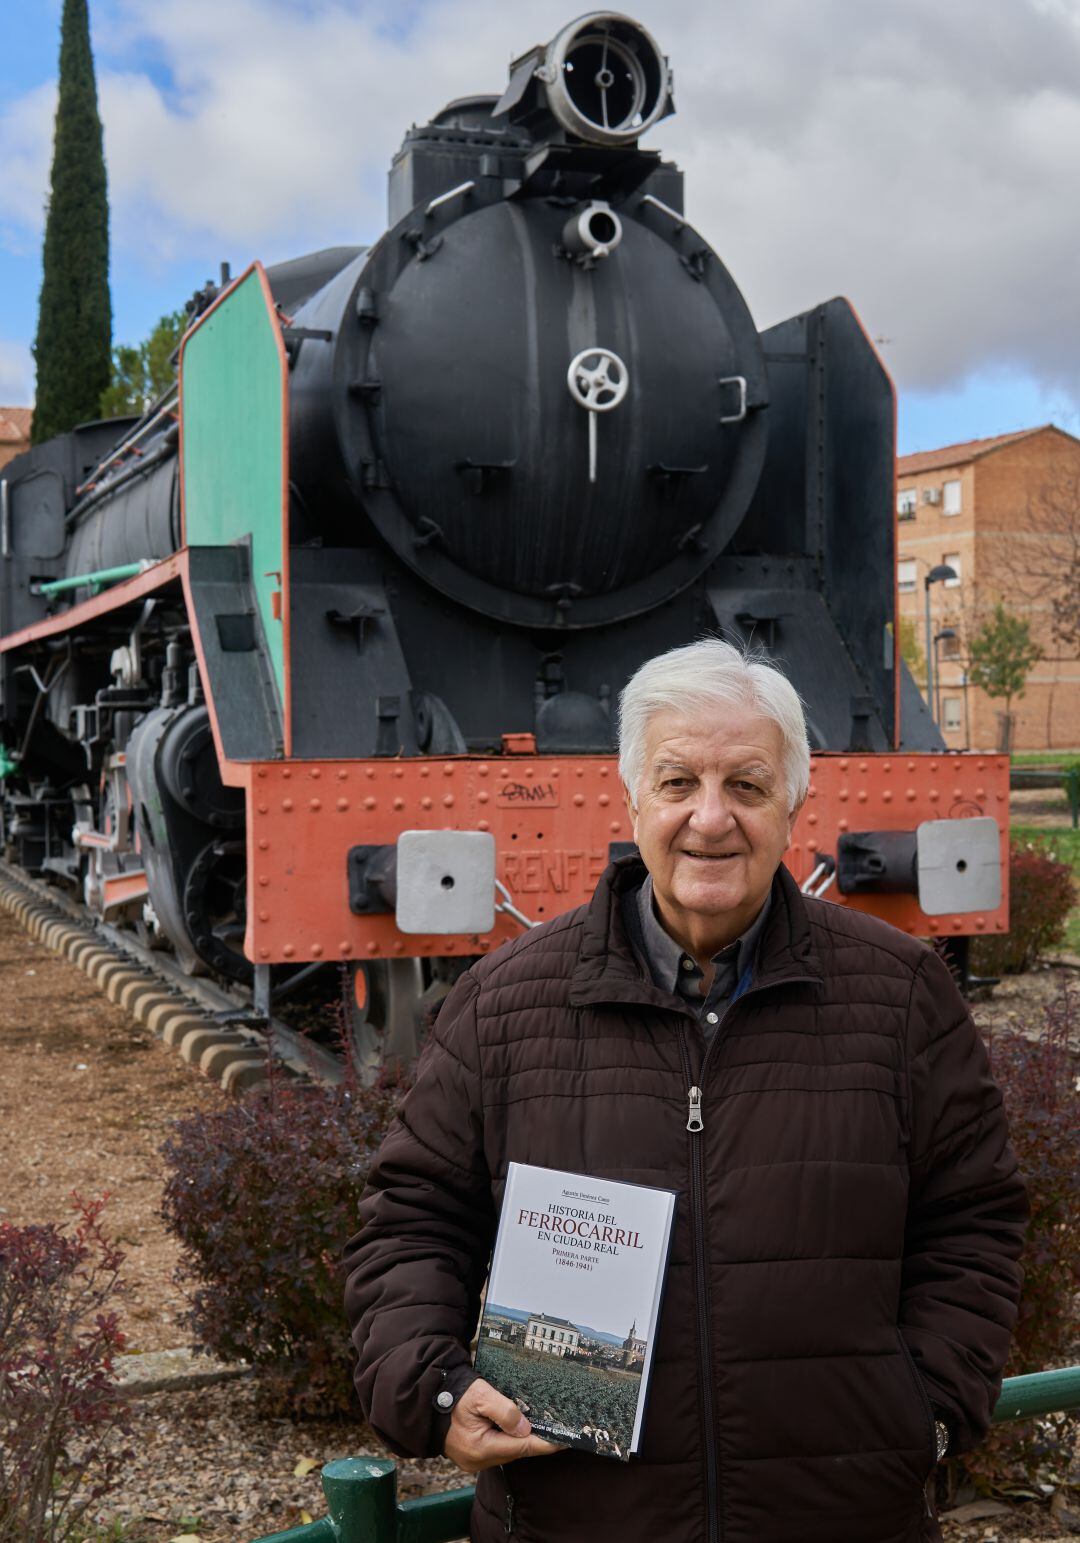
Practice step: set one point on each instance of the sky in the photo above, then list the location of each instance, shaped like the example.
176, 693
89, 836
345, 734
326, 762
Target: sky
918, 157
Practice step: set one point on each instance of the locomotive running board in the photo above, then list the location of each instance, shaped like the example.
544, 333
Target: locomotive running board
169, 570
206, 575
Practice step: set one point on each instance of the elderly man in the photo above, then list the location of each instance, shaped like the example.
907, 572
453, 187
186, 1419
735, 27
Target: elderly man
843, 1278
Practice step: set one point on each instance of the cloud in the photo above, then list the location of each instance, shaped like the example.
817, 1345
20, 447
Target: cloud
916, 159
279, 121
919, 158
16, 375
26, 126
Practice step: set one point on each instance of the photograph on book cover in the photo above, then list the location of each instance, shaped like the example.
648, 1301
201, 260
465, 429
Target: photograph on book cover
571, 1304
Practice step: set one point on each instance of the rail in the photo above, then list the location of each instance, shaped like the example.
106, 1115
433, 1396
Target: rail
1067, 777
361, 1492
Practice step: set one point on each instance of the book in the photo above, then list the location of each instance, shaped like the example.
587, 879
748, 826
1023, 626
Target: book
572, 1303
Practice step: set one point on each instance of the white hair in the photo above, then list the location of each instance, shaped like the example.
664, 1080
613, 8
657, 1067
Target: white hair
699, 678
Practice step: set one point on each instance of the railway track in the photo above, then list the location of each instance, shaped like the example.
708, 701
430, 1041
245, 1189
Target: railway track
211, 1026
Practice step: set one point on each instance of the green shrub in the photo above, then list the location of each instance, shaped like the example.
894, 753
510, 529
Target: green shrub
1042, 892
262, 1195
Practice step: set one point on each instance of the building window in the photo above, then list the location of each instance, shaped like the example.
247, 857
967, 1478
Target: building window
907, 575
950, 713
951, 497
952, 560
950, 648
906, 504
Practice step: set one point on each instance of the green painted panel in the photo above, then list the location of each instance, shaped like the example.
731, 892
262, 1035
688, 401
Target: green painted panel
233, 386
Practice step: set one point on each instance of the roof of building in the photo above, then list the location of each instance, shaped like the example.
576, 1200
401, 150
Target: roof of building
558, 1323
15, 424
966, 450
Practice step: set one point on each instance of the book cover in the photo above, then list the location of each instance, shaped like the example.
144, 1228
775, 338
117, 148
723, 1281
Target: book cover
572, 1304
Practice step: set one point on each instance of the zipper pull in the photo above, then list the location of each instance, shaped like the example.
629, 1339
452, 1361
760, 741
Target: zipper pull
695, 1122
509, 1524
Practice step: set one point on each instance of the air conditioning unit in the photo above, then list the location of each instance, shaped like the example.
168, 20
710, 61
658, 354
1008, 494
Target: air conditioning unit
931, 495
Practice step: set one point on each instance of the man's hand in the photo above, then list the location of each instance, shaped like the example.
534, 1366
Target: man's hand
487, 1429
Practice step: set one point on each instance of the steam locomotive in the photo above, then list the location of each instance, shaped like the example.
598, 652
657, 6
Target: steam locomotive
316, 661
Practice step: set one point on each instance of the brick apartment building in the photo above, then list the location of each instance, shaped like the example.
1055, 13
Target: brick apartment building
1002, 512
14, 432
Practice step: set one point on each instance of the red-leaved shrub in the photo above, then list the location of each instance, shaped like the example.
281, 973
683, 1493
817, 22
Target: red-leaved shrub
1042, 892
59, 1405
1036, 1072
263, 1195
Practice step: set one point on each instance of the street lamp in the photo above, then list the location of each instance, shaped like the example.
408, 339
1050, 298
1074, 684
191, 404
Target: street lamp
967, 716
936, 575
946, 632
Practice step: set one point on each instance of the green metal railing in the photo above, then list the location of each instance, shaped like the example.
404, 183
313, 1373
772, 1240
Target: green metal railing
1067, 777
1022, 1398
361, 1492
361, 1496
1072, 788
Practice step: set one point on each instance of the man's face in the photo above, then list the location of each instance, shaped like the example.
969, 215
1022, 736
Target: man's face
712, 819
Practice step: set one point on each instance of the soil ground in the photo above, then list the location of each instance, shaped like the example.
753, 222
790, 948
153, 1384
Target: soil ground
1026, 1523
87, 1097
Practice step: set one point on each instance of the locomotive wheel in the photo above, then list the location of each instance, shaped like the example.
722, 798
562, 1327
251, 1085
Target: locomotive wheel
362, 991
190, 771
215, 908
387, 1006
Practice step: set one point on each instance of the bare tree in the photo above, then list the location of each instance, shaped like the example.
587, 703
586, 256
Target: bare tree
1043, 556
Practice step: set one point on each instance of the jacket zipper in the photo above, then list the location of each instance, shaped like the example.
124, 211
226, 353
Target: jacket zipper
695, 1125
508, 1525
924, 1399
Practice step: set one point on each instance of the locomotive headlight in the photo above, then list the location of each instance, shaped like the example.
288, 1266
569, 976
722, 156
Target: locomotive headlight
607, 81
594, 231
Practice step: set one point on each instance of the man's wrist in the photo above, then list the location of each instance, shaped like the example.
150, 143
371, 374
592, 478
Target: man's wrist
446, 1399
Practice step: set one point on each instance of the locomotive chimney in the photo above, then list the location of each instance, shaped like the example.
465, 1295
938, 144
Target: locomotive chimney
601, 80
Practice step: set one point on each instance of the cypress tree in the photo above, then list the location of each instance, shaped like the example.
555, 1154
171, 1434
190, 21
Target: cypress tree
74, 334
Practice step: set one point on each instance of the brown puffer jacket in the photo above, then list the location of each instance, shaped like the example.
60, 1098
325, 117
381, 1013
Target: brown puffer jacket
846, 1236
